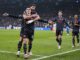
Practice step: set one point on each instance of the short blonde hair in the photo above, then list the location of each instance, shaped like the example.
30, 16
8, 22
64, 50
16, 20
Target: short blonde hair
76, 16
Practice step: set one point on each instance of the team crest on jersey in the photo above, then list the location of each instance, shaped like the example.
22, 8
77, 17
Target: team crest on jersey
60, 20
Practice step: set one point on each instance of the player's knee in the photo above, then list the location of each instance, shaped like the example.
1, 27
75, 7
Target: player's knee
21, 39
25, 41
59, 37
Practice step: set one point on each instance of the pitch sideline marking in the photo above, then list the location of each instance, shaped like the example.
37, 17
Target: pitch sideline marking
15, 53
56, 54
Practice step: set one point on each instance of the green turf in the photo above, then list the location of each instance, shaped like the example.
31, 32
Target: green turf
69, 56
44, 44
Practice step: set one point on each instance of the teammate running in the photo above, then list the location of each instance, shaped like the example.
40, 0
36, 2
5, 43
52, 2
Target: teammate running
75, 30
59, 20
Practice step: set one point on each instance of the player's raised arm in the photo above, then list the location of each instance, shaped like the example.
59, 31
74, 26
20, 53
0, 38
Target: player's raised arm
13, 16
42, 20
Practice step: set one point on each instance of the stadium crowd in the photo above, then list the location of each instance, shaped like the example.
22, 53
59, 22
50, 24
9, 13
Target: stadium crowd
8, 21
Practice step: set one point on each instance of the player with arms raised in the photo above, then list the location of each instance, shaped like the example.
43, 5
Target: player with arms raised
60, 21
27, 30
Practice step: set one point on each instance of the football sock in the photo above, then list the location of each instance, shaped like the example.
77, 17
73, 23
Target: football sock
60, 41
78, 39
24, 48
19, 45
57, 40
30, 47
73, 41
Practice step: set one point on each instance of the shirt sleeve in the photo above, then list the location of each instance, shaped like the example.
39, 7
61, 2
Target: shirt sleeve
16, 16
41, 20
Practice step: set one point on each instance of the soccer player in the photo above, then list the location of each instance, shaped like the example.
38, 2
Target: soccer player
60, 21
75, 30
27, 31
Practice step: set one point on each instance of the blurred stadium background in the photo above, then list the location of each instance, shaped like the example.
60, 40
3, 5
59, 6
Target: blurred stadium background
46, 8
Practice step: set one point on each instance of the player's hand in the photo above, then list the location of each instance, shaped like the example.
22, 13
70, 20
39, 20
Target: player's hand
76, 25
50, 22
5, 14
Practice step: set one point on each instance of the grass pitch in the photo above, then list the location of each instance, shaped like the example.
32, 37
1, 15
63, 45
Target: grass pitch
44, 45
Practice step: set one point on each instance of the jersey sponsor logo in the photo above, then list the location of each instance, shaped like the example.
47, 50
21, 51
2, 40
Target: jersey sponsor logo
60, 21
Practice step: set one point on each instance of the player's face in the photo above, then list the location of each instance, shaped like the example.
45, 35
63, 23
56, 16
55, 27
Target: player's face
33, 7
60, 14
76, 16
28, 10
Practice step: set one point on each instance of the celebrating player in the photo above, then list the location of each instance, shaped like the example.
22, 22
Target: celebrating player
27, 30
75, 30
59, 20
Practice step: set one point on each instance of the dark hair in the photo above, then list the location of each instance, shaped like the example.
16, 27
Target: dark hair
31, 5
60, 11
